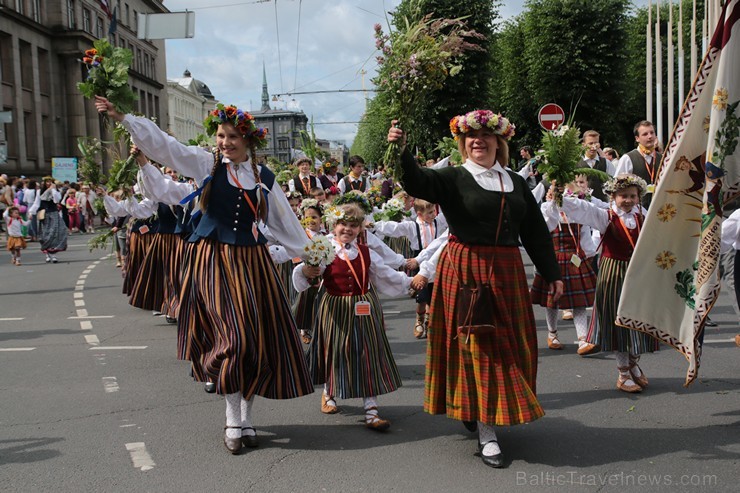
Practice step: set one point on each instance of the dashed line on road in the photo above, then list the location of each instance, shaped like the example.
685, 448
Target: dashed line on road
85, 325
391, 312
113, 348
79, 302
139, 456
15, 349
79, 288
11, 319
83, 276
81, 282
127, 426
82, 313
92, 339
88, 270
110, 384
718, 341
89, 316
78, 295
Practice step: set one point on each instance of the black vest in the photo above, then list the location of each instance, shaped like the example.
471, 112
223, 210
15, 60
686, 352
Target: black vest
348, 184
167, 219
298, 185
594, 183
640, 168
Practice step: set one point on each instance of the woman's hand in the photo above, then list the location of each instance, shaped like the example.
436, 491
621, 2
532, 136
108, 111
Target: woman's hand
419, 282
411, 264
311, 271
395, 134
556, 290
104, 106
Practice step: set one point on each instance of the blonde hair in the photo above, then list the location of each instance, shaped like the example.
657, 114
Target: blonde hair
422, 205
502, 152
353, 214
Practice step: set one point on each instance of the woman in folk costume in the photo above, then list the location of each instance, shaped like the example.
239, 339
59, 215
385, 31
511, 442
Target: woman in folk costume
482, 356
234, 317
573, 248
349, 352
619, 226
52, 230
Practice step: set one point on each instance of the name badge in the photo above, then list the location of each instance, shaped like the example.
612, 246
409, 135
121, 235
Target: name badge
144, 229
651, 188
575, 260
362, 309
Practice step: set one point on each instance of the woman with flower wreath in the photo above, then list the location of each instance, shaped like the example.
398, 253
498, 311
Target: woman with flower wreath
484, 377
620, 227
234, 324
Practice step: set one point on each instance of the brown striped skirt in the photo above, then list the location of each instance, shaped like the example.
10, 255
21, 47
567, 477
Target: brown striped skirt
138, 244
400, 245
304, 308
149, 291
351, 354
235, 325
173, 278
491, 378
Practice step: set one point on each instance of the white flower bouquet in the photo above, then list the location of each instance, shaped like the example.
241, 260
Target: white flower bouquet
318, 251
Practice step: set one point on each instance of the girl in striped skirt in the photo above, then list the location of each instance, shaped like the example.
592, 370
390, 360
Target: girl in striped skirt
304, 306
619, 226
234, 324
573, 250
350, 353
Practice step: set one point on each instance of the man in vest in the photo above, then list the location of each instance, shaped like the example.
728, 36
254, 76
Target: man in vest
305, 181
644, 160
593, 159
354, 180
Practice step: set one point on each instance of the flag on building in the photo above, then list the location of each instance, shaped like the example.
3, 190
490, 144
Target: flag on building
113, 22
673, 278
106, 7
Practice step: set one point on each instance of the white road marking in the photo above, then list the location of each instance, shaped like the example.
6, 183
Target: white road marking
92, 339
11, 319
88, 316
88, 270
83, 276
110, 384
15, 349
90, 267
391, 312
127, 426
139, 456
79, 302
113, 348
717, 341
78, 295
82, 313
79, 288
81, 282
101, 258
85, 325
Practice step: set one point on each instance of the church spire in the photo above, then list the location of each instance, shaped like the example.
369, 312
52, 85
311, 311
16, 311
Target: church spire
265, 94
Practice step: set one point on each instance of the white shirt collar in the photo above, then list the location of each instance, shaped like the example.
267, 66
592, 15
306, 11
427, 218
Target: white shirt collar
635, 210
248, 162
476, 169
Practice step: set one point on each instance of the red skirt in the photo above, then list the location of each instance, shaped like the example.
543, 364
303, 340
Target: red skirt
491, 378
579, 284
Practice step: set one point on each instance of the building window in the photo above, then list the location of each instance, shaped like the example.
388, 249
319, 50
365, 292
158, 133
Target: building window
128, 16
6, 58
19, 7
32, 146
26, 65
48, 136
44, 72
282, 144
86, 21
36, 10
138, 60
145, 68
71, 14
136, 21
154, 68
99, 27
156, 109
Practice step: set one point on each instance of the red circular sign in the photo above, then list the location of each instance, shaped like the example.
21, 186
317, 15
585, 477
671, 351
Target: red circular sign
550, 116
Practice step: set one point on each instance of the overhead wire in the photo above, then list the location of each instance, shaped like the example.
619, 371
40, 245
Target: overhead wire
297, 43
280, 61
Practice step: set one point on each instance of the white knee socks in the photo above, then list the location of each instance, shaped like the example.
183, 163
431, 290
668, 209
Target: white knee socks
487, 436
233, 414
246, 415
552, 320
580, 320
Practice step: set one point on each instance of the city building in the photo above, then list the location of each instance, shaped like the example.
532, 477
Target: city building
339, 152
190, 100
40, 52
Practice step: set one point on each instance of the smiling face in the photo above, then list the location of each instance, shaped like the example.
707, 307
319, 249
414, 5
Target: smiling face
591, 143
172, 173
313, 219
581, 182
304, 167
428, 215
646, 136
627, 198
481, 146
231, 143
347, 232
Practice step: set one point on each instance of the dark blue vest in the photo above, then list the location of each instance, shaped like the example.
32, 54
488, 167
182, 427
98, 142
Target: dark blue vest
229, 218
167, 219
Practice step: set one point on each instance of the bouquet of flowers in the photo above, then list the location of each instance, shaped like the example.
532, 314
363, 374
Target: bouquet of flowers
561, 152
107, 75
375, 197
393, 210
318, 251
415, 61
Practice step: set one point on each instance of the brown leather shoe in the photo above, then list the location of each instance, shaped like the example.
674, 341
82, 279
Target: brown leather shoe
233, 445
554, 343
624, 385
642, 380
375, 422
306, 338
588, 348
328, 408
737, 340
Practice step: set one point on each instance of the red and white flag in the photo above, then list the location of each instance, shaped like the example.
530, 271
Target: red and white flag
673, 278
104, 4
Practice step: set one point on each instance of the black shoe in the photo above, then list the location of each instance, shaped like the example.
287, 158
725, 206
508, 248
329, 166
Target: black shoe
471, 426
709, 323
250, 440
210, 387
170, 320
233, 445
496, 461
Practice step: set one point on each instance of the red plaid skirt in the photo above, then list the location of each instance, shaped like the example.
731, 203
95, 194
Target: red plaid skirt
491, 378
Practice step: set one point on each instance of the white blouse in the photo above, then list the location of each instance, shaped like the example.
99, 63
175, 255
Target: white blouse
162, 187
585, 212
488, 178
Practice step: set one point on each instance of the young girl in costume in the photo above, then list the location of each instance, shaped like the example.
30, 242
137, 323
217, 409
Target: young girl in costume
234, 317
573, 249
304, 308
620, 226
16, 242
350, 353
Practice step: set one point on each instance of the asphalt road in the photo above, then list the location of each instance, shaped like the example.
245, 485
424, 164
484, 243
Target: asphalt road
92, 398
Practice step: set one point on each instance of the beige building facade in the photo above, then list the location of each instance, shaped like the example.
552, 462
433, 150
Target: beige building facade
190, 100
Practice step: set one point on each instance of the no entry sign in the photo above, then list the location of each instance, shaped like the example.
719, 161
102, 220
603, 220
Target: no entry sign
550, 116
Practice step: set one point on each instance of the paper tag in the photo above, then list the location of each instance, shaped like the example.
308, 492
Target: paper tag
297, 260
144, 229
255, 231
362, 308
651, 188
575, 260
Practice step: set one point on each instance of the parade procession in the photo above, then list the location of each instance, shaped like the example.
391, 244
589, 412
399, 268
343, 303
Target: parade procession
467, 245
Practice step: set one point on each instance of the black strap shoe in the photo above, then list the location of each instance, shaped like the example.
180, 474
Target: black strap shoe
496, 461
250, 440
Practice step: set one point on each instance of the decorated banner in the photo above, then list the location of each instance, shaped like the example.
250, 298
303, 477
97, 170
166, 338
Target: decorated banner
64, 169
673, 278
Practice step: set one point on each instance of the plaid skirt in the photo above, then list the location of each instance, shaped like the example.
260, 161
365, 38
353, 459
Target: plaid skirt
603, 331
351, 354
491, 378
138, 244
579, 284
150, 285
235, 325
16, 243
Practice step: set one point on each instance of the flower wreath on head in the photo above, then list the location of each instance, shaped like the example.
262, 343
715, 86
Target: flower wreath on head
242, 121
309, 204
354, 197
620, 182
477, 119
334, 214
328, 165
293, 195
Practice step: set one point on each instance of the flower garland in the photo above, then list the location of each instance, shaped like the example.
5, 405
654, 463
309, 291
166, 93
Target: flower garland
334, 214
393, 210
242, 121
308, 204
620, 182
354, 197
477, 119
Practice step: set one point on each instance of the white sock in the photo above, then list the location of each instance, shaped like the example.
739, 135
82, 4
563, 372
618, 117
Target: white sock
487, 435
580, 320
634, 358
233, 414
246, 414
368, 403
329, 398
552, 321
623, 359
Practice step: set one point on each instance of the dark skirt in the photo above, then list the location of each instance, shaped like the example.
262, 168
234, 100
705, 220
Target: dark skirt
285, 271
235, 325
149, 291
491, 378
579, 284
173, 278
52, 233
400, 245
138, 244
304, 308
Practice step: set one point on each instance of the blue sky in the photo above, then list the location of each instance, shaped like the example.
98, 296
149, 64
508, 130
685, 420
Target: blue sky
334, 43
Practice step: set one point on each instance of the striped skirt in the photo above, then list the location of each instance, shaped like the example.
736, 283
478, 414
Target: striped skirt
138, 244
351, 354
172, 280
235, 325
603, 331
149, 291
304, 308
491, 378
579, 284
285, 271
400, 245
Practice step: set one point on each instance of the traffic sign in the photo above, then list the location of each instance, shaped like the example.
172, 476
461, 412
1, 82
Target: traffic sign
550, 116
